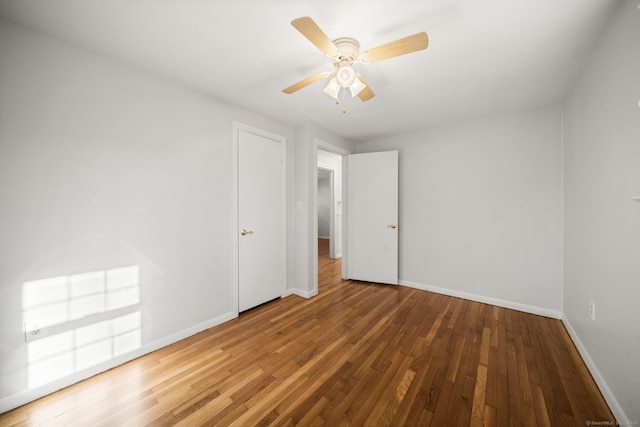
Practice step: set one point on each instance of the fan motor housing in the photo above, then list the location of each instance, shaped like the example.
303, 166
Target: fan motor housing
348, 49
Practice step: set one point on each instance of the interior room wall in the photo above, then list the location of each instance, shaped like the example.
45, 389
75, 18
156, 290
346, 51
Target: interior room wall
324, 207
103, 166
602, 224
480, 209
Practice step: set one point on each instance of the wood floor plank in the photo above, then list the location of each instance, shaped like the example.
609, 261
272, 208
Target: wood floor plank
356, 354
479, 397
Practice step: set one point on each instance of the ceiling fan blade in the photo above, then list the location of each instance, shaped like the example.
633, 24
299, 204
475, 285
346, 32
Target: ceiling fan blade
366, 93
399, 47
311, 31
306, 82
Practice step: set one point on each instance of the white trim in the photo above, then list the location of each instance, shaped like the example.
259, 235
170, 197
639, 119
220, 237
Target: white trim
562, 204
235, 227
540, 311
332, 214
301, 293
11, 402
608, 395
345, 217
324, 237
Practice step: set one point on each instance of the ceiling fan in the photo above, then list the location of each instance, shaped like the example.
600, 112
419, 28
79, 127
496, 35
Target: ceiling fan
345, 52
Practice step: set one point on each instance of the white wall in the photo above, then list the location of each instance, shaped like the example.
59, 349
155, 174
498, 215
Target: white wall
324, 206
105, 166
480, 209
602, 224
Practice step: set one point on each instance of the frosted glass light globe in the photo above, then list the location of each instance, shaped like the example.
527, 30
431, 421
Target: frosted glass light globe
345, 75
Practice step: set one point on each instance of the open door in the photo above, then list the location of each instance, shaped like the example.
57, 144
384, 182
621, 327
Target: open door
372, 217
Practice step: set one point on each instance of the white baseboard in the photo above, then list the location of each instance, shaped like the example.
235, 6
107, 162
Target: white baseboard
288, 292
541, 311
300, 293
608, 395
11, 402
323, 237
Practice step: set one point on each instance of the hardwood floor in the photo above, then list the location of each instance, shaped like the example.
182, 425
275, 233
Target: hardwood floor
356, 354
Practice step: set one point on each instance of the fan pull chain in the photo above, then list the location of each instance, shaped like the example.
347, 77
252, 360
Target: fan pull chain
344, 110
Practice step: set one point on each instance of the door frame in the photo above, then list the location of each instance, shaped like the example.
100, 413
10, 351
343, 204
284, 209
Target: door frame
319, 144
235, 226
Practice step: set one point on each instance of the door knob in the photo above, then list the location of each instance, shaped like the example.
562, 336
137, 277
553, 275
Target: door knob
392, 226
244, 232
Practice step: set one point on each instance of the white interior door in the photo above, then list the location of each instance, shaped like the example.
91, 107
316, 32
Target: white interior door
372, 217
261, 241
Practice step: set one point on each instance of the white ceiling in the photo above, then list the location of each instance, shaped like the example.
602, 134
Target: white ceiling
484, 57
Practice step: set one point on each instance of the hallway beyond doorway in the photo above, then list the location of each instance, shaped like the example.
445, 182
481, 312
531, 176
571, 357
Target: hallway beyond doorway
329, 270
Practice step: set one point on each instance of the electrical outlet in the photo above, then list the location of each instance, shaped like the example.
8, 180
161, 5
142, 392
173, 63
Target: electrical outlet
592, 310
32, 331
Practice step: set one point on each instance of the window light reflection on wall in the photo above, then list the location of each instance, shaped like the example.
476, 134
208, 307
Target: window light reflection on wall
93, 315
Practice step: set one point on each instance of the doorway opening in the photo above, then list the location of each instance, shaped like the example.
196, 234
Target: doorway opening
328, 204
329, 243
329, 270
326, 211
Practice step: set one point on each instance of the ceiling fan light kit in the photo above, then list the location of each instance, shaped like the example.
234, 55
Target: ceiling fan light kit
333, 88
345, 52
356, 87
345, 75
